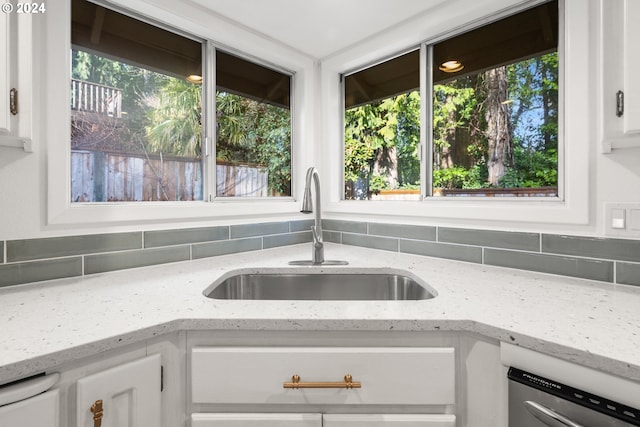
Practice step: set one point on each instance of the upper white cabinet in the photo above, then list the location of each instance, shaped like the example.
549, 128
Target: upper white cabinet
16, 80
620, 62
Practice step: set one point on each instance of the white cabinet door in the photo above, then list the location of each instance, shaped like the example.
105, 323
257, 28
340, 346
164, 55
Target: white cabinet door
620, 67
130, 395
42, 410
631, 66
256, 420
16, 76
5, 72
389, 420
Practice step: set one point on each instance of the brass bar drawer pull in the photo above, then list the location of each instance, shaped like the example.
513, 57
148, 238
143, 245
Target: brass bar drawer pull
347, 383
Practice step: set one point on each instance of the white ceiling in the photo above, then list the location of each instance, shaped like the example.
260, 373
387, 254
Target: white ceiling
318, 27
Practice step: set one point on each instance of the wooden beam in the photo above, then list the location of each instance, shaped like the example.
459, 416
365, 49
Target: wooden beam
96, 27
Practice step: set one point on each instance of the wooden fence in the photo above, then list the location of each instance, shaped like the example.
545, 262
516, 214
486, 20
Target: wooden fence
458, 192
98, 176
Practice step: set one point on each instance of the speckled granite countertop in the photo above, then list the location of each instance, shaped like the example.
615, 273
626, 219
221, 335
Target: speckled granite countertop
591, 323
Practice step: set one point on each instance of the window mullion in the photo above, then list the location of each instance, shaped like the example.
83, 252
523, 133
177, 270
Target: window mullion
209, 121
426, 120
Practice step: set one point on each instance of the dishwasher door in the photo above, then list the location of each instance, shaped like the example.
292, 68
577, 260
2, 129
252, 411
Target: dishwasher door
38, 411
535, 401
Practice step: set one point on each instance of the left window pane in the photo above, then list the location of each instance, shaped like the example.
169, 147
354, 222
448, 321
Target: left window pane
136, 109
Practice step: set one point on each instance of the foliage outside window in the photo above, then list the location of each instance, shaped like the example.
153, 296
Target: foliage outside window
253, 141
137, 115
136, 131
382, 130
494, 118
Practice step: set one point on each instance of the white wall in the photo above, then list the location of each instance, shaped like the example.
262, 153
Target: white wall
25, 180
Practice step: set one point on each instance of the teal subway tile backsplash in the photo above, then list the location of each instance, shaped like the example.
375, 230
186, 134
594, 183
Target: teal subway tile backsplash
332, 236
225, 247
374, 242
628, 273
489, 238
567, 266
101, 263
35, 271
442, 250
419, 232
32, 260
261, 229
276, 240
347, 226
593, 247
116, 251
54, 247
520, 250
302, 225
154, 239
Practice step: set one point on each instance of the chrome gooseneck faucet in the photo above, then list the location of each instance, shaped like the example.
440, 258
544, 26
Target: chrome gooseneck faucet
309, 206
317, 254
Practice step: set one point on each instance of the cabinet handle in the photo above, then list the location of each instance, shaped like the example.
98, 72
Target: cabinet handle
548, 416
619, 103
13, 101
347, 383
96, 410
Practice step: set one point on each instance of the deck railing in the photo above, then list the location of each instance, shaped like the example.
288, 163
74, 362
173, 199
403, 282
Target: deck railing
95, 98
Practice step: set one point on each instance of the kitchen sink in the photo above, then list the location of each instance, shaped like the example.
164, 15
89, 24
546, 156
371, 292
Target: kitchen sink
329, 286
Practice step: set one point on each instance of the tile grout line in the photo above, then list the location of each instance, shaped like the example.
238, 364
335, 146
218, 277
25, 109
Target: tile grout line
540, 243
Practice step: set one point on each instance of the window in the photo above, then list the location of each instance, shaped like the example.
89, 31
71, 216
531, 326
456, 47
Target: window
253, 135
382, 129
492, 116
136, 110
138, 121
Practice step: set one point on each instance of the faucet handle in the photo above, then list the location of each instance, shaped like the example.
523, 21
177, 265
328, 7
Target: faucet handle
316, 237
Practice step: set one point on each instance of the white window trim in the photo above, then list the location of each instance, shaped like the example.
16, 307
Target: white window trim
51, 69
576, 138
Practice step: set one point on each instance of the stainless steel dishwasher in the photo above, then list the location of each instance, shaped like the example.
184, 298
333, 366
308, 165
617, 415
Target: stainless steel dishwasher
535, 401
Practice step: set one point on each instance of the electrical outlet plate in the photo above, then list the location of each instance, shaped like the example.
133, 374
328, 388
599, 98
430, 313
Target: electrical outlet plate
622, 219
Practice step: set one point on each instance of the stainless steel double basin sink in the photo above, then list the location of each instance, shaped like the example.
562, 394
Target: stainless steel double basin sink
306, 284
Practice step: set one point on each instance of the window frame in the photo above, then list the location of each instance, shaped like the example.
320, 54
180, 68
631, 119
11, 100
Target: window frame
426, 89
570, 207
212, 194
52, 53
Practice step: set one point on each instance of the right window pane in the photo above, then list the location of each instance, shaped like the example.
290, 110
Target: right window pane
495, 108
253, 135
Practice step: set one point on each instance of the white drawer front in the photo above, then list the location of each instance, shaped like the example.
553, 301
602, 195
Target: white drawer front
420, 376
389, 420
256, 420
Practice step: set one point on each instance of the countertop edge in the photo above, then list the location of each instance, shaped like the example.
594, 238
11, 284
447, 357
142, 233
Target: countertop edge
53, 361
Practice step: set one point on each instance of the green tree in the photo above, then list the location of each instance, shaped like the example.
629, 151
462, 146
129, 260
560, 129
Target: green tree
249, 131
381, 145
174, 124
